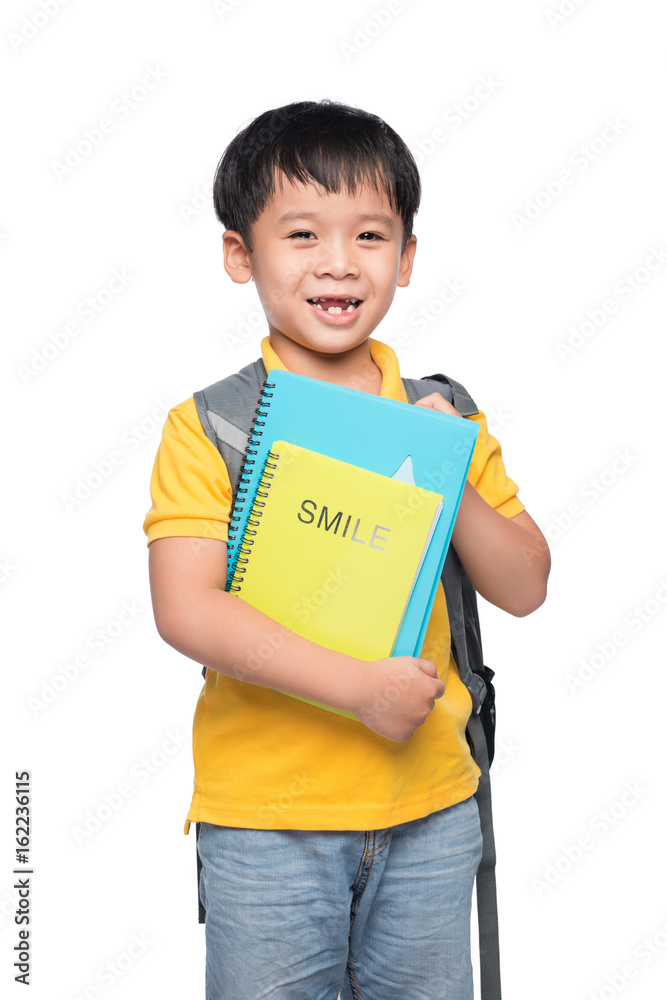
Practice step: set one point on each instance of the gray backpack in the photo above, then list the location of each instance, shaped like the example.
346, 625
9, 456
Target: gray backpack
228, 410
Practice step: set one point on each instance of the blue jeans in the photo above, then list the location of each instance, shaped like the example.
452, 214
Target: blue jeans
378, 915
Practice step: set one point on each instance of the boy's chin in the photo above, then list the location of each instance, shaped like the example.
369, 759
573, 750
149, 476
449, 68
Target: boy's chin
326, 341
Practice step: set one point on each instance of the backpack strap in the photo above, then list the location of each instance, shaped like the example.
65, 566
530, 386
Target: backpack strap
459, 593
461, 601
227, 409
453, 392
485, 881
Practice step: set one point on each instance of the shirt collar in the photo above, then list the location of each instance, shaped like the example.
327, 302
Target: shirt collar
383, 356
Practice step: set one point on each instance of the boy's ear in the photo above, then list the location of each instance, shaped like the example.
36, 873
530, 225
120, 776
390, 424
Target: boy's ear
407, 260
237, 257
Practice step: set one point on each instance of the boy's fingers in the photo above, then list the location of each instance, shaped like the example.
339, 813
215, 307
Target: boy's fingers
429, 667
436, 402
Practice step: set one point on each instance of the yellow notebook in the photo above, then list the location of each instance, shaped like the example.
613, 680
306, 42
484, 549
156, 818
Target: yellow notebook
332, 551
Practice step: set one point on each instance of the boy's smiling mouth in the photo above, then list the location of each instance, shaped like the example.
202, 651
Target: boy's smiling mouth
335, 306
335, 310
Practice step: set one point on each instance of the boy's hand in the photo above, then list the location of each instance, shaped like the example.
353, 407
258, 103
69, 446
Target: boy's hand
398, 693
437, 402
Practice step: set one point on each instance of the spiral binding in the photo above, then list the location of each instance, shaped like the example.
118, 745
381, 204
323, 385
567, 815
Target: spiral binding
241, 489
251, 529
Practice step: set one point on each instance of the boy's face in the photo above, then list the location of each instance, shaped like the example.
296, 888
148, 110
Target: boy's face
310, 245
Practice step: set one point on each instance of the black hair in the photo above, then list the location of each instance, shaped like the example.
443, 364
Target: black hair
332, 143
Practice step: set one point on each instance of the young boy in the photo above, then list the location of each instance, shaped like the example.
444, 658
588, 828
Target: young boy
337, 854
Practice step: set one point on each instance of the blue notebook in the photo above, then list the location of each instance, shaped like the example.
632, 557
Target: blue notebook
431, 449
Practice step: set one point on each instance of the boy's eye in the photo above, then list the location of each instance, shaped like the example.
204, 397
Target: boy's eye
364, 237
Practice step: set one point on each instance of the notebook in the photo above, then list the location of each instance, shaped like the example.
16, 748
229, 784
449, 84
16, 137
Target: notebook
333, 551
432, 450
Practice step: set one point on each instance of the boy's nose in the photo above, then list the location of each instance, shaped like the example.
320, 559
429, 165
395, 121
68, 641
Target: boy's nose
335, 259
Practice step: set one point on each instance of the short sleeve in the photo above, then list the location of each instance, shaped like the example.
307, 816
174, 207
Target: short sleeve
487, 473
190, 489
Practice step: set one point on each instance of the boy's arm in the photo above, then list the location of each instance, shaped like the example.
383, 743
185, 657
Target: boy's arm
506, 559
195, 615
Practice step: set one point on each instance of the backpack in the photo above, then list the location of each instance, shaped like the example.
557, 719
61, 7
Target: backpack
227, 410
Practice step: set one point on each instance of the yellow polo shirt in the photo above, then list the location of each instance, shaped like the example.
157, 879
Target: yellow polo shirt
267, 761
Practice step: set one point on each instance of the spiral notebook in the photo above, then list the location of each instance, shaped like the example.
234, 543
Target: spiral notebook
421, 446
333, 551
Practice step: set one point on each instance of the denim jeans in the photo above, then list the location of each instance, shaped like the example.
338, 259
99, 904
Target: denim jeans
376, 915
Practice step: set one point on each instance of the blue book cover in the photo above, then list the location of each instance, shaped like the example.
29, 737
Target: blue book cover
430, 449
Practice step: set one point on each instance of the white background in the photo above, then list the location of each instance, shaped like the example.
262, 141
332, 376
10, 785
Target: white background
576, 766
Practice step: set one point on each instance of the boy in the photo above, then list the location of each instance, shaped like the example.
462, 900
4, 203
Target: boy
337, 854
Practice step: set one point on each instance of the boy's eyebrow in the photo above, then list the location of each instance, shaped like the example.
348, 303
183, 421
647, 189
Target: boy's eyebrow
365, 217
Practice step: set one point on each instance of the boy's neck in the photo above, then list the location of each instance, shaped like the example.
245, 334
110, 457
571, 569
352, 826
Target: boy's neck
354, 368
